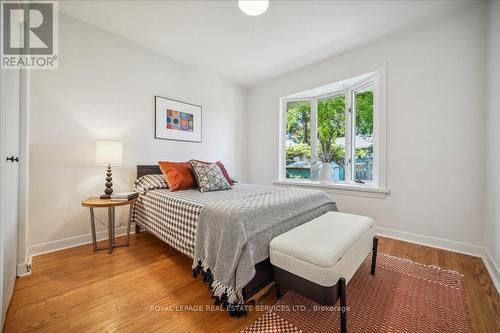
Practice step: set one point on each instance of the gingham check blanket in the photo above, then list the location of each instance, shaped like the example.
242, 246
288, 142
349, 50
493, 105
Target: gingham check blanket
227, 232
173, 216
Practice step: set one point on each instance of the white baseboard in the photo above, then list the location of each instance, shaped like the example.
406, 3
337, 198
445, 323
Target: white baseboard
492, 269
440, 243
444, 244
24, 269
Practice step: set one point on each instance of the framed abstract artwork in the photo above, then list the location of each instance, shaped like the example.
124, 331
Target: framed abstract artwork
176, 120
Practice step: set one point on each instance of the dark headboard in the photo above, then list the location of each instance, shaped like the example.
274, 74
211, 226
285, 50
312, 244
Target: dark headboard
143, 170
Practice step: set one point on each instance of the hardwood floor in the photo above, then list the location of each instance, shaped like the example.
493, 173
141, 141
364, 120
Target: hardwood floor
138, 289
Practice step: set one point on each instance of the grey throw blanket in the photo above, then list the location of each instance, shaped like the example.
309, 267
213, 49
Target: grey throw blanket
234, 235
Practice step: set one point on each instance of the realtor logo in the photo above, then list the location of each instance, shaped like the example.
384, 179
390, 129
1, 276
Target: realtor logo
29, 34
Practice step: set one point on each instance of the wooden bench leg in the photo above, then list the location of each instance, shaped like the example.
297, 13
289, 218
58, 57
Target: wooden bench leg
137, 228
343, 310
258, 296
374, 255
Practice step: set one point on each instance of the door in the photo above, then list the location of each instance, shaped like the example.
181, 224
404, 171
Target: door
9, 188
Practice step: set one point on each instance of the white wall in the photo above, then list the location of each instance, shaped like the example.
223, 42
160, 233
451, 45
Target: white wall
492, 225
435, 81
105, 88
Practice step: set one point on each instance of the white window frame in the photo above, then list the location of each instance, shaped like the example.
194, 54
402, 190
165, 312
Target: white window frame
350, 94
375, 188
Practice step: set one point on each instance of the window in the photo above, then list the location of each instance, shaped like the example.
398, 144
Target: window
362, 101
331, 133
298, 140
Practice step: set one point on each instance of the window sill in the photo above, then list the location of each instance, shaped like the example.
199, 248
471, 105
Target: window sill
345, 189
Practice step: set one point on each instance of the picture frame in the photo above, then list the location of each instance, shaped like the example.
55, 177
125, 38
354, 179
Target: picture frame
177, 120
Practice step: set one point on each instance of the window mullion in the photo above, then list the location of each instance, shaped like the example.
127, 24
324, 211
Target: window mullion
348, 136
283, 126
314, 127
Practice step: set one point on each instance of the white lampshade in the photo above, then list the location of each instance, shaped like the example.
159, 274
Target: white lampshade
108, 152
253, 7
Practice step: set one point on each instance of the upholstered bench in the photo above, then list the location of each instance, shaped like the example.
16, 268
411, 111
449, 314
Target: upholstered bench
318, 258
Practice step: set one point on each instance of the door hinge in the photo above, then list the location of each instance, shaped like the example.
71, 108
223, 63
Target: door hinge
350, 110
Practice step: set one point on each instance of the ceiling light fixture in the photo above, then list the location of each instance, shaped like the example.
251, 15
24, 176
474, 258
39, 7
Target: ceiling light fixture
253, 7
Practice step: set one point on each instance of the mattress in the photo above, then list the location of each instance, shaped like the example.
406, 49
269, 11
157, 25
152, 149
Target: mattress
173, 216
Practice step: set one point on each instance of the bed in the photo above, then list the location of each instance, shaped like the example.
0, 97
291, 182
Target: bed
173, 217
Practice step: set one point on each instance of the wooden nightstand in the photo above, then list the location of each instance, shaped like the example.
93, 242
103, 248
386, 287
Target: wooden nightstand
110, 205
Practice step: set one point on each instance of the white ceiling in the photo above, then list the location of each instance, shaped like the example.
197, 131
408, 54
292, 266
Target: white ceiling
216, 36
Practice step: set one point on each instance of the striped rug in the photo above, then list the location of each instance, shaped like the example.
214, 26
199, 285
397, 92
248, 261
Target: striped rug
403, 296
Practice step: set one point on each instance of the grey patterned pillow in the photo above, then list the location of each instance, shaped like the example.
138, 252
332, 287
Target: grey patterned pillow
209, 177
150, 182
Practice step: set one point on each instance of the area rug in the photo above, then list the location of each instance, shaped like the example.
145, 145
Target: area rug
403, 296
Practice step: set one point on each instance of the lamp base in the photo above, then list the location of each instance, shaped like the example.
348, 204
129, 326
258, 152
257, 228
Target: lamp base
109, 185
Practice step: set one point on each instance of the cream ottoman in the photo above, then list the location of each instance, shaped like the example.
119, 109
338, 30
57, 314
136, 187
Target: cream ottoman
317, 259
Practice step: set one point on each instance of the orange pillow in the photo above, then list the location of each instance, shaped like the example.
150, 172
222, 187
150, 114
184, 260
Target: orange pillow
179, 175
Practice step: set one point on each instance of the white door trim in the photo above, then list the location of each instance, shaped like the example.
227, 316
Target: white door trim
9, 186
23, 214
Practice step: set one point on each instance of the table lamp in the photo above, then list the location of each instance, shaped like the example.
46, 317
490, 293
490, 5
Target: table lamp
108, 153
